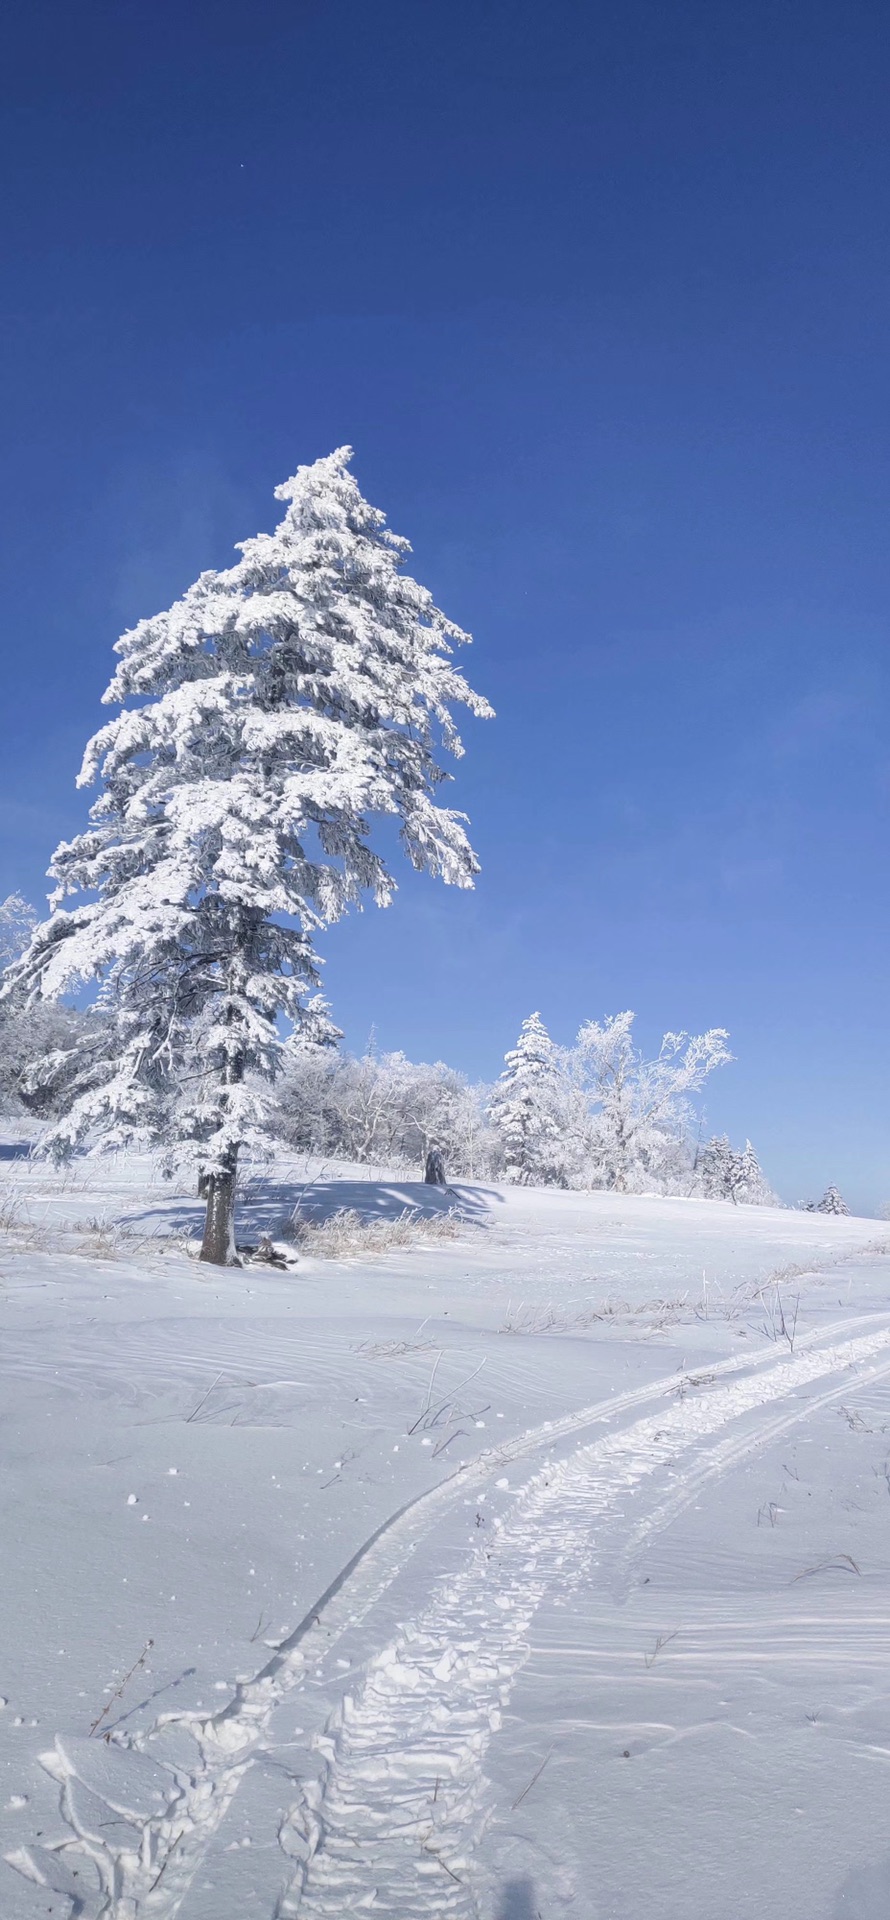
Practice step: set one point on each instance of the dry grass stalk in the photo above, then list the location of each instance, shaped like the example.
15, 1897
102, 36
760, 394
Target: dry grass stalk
838, 1563
348, 1232
118, 1692
578, 1318
649, 1659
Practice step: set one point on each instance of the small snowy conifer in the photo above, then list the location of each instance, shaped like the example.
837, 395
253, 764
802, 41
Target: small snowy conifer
522, 1106
753, 1186
269, 715
716, 1169
832, 1202
725, 1173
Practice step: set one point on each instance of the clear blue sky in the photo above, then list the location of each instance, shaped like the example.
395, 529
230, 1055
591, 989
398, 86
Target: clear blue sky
600, 294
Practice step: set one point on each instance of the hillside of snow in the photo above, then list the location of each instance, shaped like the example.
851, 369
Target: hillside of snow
539, 1566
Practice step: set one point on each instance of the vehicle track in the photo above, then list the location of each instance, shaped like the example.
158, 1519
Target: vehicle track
395, 1819
392, 1817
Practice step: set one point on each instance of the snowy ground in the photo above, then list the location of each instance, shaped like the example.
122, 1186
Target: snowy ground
541, 1572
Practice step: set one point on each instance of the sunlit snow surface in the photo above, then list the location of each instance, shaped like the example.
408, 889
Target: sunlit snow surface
626, 1653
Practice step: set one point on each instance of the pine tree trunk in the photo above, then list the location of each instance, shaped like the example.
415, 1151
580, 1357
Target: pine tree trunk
434, 1171
218, 1244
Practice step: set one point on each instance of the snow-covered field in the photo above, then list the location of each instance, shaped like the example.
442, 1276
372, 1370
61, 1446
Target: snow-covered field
544, 1570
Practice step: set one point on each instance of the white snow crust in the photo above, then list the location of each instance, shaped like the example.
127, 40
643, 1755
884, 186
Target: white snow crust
543, 1570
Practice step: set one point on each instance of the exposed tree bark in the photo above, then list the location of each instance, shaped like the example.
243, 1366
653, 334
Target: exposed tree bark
434, 1172
218, 1244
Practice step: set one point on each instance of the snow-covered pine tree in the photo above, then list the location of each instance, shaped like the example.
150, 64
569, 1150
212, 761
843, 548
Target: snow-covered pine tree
522, 1106
727, 1173
832, 1202
753, 1186
716, 1172
274, 711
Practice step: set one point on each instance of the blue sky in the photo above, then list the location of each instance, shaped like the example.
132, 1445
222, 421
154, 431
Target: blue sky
599, 293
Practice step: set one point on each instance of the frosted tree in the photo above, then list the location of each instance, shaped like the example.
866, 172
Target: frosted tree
725, 1172
382, 1109
441, 1113
832, 1202
524, 1107
753, 1186
639, 1108
268, 717
716, 1169
36, 1042
17, 923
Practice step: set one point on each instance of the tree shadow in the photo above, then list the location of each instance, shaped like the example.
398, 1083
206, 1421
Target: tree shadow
15, 1149
518, 1900
865, 1894
168, 1686
377, 1199
266, 1206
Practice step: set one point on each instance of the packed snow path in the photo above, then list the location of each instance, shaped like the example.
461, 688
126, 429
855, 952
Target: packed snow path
393, 1816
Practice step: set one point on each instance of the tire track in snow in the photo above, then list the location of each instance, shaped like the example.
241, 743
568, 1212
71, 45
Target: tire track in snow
717, 1462
148, 1873
393, 1822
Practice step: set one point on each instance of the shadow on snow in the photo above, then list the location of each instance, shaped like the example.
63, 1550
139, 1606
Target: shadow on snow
266, 1207
518, 1901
